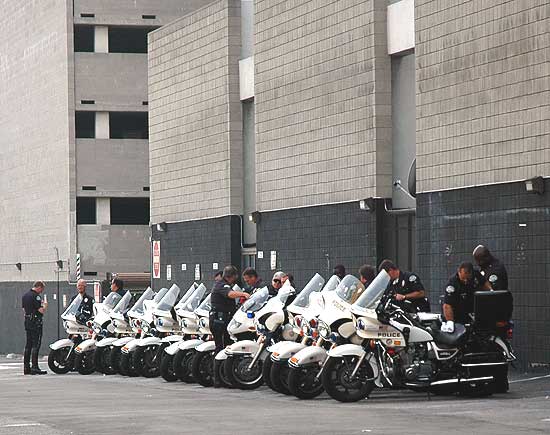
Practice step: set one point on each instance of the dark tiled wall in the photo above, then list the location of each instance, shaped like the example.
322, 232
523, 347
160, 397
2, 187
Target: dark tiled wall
515, 225
315, 239
201, 242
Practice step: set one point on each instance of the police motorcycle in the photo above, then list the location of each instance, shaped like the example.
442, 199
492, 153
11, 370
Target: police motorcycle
205, 361
400, 349
102, 327
275, 366
61, 356
245, 358
182, 352
120, 327
132, 316
332, 327
170, 319
142, 323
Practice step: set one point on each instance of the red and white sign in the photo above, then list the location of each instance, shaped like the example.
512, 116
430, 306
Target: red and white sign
156, 259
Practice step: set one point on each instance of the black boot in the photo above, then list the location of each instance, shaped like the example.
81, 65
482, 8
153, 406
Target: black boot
26, 370
37, 371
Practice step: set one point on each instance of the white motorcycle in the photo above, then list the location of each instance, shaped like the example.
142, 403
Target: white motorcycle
61, 356
102, 327
133, 317
128, 365
121, 327
245, 358
332, 327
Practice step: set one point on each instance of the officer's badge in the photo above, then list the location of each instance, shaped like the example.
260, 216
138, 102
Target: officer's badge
38, 298
450, 289
412, 278
493, 279
396, 281
85, 299
482, 272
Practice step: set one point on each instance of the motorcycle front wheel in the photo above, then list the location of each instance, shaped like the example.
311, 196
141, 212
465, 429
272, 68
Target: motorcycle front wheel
167, 369
338, 382
102, 360
84, 362
266, 371
146, 361
279, 376
116, 354
203, 368
61, 361
126, 365
183, 365
304, 383
237, 370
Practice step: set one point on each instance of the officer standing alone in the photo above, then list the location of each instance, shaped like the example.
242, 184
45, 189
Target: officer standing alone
34, 311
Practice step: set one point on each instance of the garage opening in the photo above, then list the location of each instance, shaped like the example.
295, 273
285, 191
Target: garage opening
85, 211
129, 211
128, 39
84, 124
128, 125
84, 39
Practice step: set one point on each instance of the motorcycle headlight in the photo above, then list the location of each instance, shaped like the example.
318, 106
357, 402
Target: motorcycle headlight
96, 328
159, 322
203, 323
146, 328
324, 330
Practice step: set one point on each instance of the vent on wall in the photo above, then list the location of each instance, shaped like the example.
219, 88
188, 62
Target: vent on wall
88, 188
145, 103
87, 15
146, 189
149, 17
90, 273
87, 101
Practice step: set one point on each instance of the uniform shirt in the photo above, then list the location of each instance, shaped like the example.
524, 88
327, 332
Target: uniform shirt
252, 288
85, 310
408, 283
460, 296
219, 300
31, 302
272, 290
496, 274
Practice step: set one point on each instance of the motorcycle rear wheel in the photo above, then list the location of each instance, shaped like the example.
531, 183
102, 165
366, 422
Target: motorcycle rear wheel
203, 368
279, 376
167, 369
337, 382
303, 382
59, 360
221, 375
243, 378
84, 362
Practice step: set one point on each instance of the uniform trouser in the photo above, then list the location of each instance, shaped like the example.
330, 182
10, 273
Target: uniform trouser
32, 346
218, 327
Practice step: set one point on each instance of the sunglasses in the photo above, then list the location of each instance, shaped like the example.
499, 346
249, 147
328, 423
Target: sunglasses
277, 281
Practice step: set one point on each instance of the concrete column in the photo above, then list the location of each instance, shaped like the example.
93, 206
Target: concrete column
103, 211
102, 125
101, 39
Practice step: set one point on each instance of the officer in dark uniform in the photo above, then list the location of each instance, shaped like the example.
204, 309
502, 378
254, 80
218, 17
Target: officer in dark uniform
222, 301
252, 280
406, 287
458, 303
491, 268
34, 310
117, 285
85, 310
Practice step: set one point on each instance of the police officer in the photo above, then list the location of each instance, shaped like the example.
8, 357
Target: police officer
491, 268
406, 287
252, 280
276, 283
85, 310
223, 305
339, 271
367, 273
34, 311
117, 285
458, 303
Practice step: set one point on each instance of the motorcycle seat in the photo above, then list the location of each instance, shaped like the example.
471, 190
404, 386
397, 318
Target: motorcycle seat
449, 339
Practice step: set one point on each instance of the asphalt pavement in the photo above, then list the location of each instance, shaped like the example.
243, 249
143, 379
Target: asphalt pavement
98, 404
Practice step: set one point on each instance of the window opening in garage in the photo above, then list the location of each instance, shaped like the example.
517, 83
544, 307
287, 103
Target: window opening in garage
84, 124
129, 211
84, 39
128, 125
85, 211
128, 39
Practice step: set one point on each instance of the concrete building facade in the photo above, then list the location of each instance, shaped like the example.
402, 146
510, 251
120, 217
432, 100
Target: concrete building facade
73, 145
365, 130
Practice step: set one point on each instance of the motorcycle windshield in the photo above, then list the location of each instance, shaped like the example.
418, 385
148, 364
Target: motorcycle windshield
195, 299
257, 300
111, 300
73, 307
169, 299
331, 285
349, 289
123, 304
160, 295
205, 305
147, 295
315, 284
370, 297
186, 296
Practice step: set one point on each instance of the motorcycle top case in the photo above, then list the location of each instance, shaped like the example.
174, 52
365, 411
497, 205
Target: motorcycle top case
491, 307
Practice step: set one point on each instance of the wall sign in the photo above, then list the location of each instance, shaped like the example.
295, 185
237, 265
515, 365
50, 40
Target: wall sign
156, 259
197, 272
273, 260
169, 272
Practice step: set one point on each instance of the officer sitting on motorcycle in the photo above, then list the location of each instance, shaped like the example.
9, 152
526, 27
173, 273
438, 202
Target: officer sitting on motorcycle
252, 280
276, 283
458, 303
406, 286
117, 285
85, 310
491, 268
